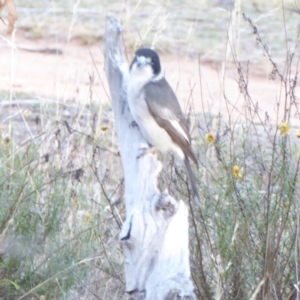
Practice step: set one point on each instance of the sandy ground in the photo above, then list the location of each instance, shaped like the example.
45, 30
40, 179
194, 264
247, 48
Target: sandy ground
67, 77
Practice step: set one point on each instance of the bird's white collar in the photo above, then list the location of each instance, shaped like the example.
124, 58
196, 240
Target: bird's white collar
157, 77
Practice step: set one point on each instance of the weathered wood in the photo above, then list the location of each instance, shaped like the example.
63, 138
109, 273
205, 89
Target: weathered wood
154, 235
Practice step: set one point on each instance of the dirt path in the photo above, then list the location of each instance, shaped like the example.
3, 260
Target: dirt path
66, 77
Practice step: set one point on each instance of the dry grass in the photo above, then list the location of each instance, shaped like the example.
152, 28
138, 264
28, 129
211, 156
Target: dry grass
176, 26
61, 181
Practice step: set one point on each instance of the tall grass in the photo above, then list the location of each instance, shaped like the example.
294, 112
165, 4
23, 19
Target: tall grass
245, 236
184, 27
58, 223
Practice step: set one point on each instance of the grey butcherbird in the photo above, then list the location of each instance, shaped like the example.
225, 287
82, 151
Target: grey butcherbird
156, 110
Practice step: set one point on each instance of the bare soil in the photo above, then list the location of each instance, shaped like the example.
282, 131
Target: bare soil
71, 75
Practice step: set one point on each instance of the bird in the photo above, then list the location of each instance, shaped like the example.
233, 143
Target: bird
156, 110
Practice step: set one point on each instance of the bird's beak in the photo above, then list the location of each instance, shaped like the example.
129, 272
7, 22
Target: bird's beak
141, 61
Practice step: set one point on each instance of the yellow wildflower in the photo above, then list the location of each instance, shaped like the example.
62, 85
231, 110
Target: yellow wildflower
104, 128
210, 138
286, 205
6, 141
87, 217
236, 171
284, 128
27, 113
298, 134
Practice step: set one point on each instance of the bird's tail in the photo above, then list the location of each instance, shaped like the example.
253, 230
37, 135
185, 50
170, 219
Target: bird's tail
192, 180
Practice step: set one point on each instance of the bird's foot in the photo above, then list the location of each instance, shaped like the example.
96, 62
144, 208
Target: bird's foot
145, 150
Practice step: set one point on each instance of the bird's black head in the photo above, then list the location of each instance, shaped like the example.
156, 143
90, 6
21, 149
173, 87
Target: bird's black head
147, 56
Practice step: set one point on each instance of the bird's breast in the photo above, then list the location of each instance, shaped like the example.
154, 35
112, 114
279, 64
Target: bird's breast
153, 133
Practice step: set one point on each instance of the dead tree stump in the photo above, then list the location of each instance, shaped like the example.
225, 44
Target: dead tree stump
154, 235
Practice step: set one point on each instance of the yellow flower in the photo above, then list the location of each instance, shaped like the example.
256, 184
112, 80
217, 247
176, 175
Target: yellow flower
210, 138
87, 217
104, 128
286, 205
27, 113
284, 128
6, 141
236, 171
298, 134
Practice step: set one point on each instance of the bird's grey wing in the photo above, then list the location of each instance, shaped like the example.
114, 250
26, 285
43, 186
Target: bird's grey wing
164, 107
